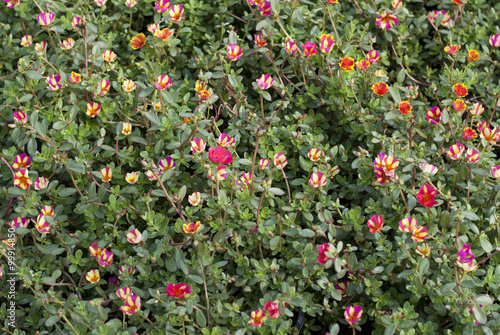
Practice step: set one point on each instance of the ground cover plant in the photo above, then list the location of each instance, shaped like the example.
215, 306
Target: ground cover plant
249, 167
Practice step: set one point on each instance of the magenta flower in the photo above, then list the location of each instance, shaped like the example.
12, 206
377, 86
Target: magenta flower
178, 291
134, 236
273, 309
76, 21
220, 155
472, 155
495, 171
163, 82
434, 115
455, 151
265, 8
106, 259
166, 164
317, 179
309, 49
46, 18
19, 117
375, 223
41, 183
265, 81
225, 141
176, 12
19, 223
465, 254
327, 43
387, 21
408, 224
280, 160
162, 6
12, 4
132, 305
291, 47
234, 52
198, 145
495, 40
426, 196
353, 314
53, 81
21, 161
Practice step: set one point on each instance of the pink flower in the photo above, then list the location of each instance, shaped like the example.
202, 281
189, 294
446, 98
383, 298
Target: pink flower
408, 224
220, 155
342, 287
106, 259
265, 8
198, 145
176, 12
280, 160
234, 52
291, 47
19, 117
386, 21
327, 43
162, 6
465, 255
21, 161
472, 155
309, 49
375, 223
434, 115
272, 308
226, 141
42, 225
372, 56
495, 40
426, 195
134, 236
46, 18
53, 81
166, 164
317, 180
353, 314
495, 171
322, 257
260, 41
76, 21
419, 234
163, 82
132, 305
124, 293
265, 81
19, 223
455, 151
178, 291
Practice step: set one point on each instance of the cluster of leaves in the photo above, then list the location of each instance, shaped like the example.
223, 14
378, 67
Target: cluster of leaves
269, 231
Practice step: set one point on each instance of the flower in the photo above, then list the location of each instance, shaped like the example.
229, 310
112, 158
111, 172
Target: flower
220, 155
347, 64
105, 259
124, 292
434, 14
19, 116
468, 267
465, 255
332, 2
469, 133
405, 107
473, 55
386, 21
132, 177
162, 6
273, 309
53, 81
315, 154
107, 173
93, 276
434, 115
495, 171
198, 145
477, 109
291, 47
134, 236
45, 18
322, 257
428, 168
104, 86
265, 8
460, 90
178, 291
460, 2
353, 314
375, 223
163, 82
309, 49
380, 88
205, 94
163, 34
265, 81
260, 41
138, 41
176, 12
200, 85
194, 199
151, 176
132, 305
191, 227
334, 171
48, 211
412, 92
130, 3
100, 3
76, 21
363, 64
234, 52
42, 225
68, 44
26, 40
263, 163
407, 225
426, 195
372, 56
472, 155
12, 4
280, 160
397, 4
19, 223
419, 234
153, 27
75, 78
317, 180
128, 85
41, 46
21, 161
22, 179
452, 49
221, 173
423, 250
455, 151
93, 108
495, 40
109, 56
327, 43
166, 164
384, 167
459, 105
258, 318
246, 179
490, 135
125, 271
95, 251
342, 287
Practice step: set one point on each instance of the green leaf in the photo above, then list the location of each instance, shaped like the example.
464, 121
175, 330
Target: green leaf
200, 319
182, 192
423, 266
307, 233
153, 118
276, 191
448, 287
401, 76
391, 329
469, 215
52, 320
484, 300
486, 245
298, 302
395, 94
66, 192
479, 315
275, 6
26, 98
33, 75
146, 92
468, 283
244, 161
405, 273
17, 191
263, 24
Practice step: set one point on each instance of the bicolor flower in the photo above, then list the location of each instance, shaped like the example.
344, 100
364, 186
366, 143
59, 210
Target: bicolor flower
12, 4
332, 2
472, 156
191, 227
434, 115
434, 14
200, 85
385, 162
153, 27
106, 259
132, 177
162, 6
246, 179
495, 40
405, 107
151, 176
204, 95
19, 223
428, 168
465, 254
258, 318
138, 41
68, 44
375, 223
163, 82
124, 292
19, 116
128, 85
100, 3
130, 3
322, 257
272, 309
291, 47
132, 305
327, 43
264, 8
477, 109
452, 49
194, 199
176, 12
125, 270
363, 64
95, 251
309, 49
75, 78
473, 55
178, 291
317, 180
41, 47
455, 151
104, 87
468, 267
342, 287
221, 173
315, 154
419, 234
163, 34
353, 314
347, 64
46, 18
386, 21
423, 250
109, 56
460, 90
166, 164
407, 225
198, 145
265, 81
48, 211
459, 2
495, 171
459, 105
93, 108
380, 88
42, 225
76, 22
280, 160
469, 133
489, 135
334, 171
26, 40
260, 41
53, 82
107, 173
426, 196
93, 276
21, 161
397, 4
234, 52
22, 179
372, 56
220, 155
134, 236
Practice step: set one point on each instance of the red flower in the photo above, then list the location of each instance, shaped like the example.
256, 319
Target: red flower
380, 88
427, 195
178, 291
220, 155
322, 258
460, 90
273, 309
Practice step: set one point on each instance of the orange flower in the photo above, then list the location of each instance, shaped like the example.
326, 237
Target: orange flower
460, 2
469, 133
405, 107
347, 63
459, 105
452, 49
380, 88
75, 78
163, 34
419, 234
258, 318
473, 55
363, 64
191, 227
138, 41
460, 90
